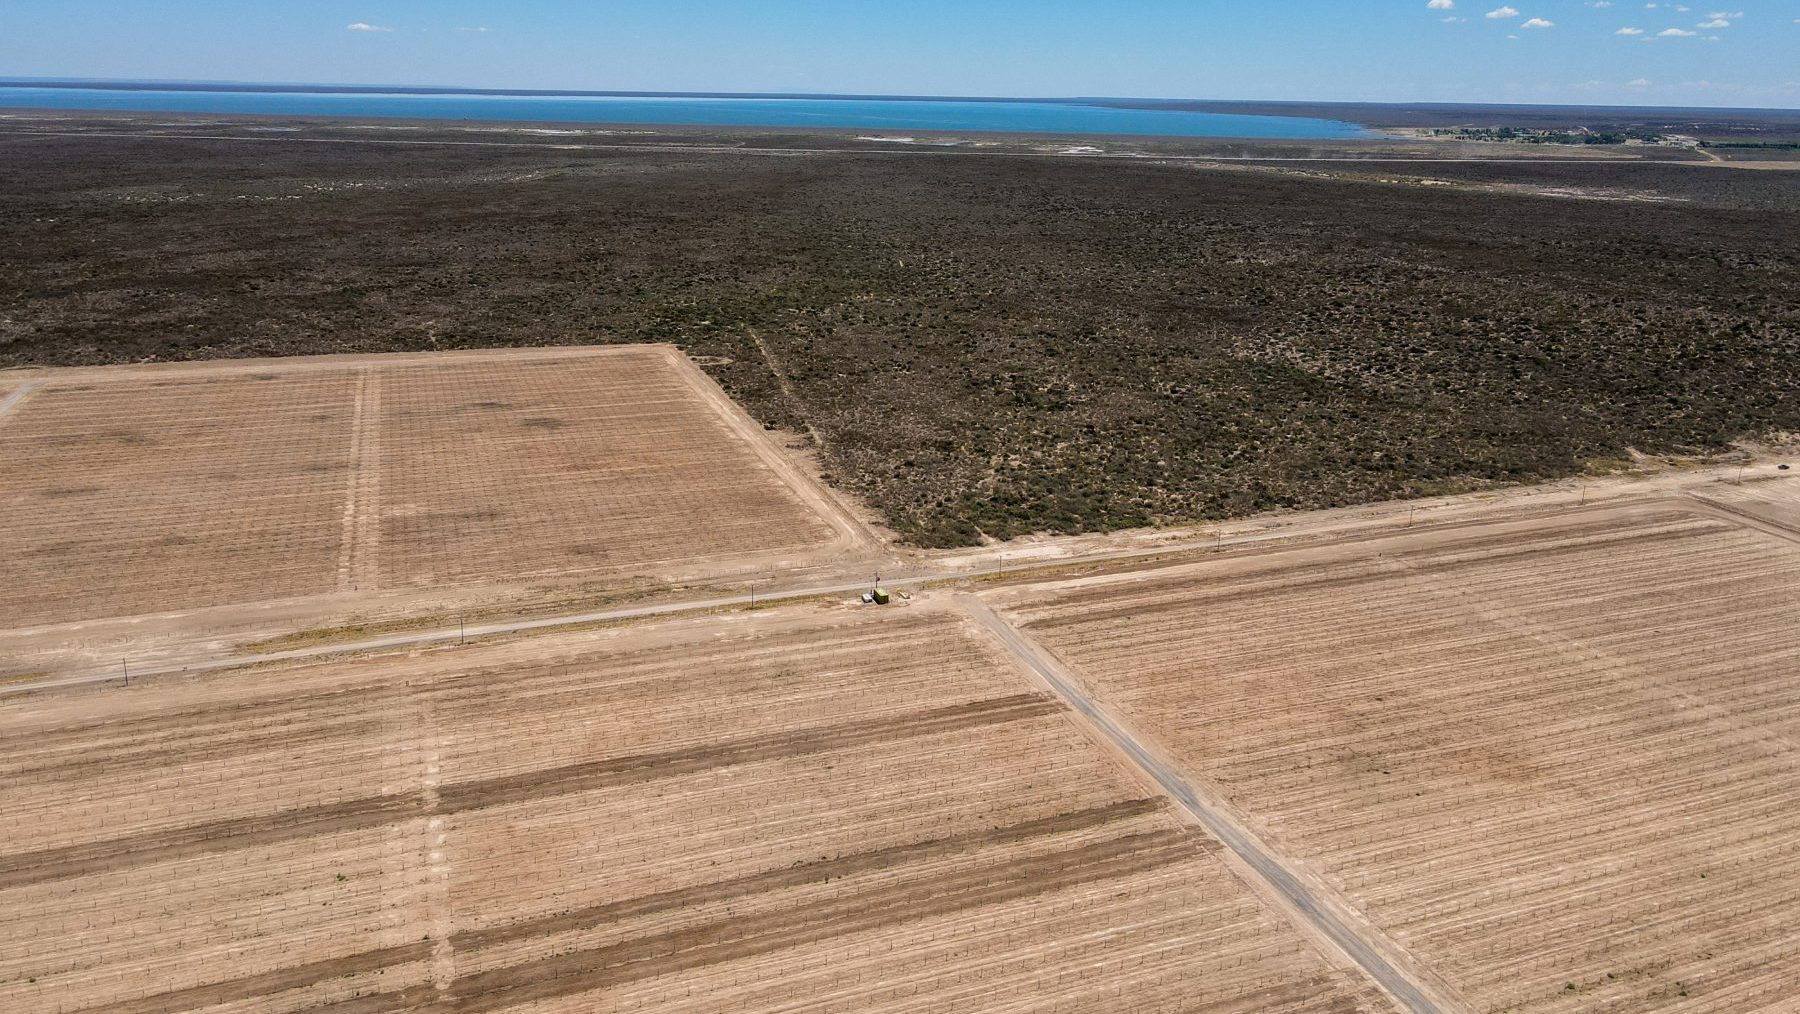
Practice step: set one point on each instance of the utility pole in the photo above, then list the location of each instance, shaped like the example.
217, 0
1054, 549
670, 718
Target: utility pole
461, 631
125, 665
753, 593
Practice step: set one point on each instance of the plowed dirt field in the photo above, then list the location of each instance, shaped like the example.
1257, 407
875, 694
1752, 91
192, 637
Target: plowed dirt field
808, 808
151, 489
1556, 760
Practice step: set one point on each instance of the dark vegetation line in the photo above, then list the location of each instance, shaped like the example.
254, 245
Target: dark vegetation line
986, 347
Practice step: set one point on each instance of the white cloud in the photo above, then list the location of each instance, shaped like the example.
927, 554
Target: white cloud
483, 29
1629, 31
1676, 33
1538, 23
1442, 5
1600, 4
364, 26
1715, 23
1503, 12
1642, 82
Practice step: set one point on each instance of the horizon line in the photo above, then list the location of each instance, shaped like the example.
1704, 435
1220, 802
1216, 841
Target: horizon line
204, 85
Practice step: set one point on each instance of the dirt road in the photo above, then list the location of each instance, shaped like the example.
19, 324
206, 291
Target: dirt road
1360, 944
1344, 527
1345, 533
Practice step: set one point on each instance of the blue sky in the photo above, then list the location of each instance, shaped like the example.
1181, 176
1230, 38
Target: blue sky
1744, 54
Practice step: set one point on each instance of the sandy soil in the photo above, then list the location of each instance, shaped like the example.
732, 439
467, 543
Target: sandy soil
144, 490
1553, 758
803, 808
145, 493
1771, 502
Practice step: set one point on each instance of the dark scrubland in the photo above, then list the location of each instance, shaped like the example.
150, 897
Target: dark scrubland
984, 346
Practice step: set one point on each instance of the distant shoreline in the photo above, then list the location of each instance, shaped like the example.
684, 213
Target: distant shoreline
1273, 107
1085, 114
1065, 117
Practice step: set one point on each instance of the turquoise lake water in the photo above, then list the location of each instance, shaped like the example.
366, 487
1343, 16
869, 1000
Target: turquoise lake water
856, 114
